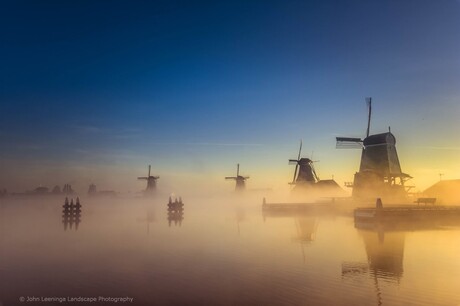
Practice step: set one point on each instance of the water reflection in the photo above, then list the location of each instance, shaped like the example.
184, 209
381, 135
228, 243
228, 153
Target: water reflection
112, 255
305, 224
384, 241
240, 216
385, 253
175, 212
306, 229
385, 256
149, 218
71, 214
175, 217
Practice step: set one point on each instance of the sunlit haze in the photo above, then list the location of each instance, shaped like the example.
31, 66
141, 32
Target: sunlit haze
229, 152
96, 91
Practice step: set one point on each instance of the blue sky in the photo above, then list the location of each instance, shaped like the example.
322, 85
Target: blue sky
199, 86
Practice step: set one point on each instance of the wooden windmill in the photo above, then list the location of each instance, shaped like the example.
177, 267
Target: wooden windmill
151, 181
306, 172
240, 180
379, 173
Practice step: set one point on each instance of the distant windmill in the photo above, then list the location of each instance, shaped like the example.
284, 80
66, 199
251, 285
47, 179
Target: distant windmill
240, 180
151, 181
307, 173
379, 172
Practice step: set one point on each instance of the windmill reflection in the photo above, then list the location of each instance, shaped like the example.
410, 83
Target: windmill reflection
384, 242
175, 212
240, 216
150, 218
71, 214
385, 253
305, 223
385, 256
306, 229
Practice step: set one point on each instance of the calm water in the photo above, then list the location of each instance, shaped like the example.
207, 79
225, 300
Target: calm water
221, 251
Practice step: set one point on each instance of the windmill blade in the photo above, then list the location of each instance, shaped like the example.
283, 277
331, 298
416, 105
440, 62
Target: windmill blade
348, 143
245, 177
295, 173
349, 139
314, 172
142, 178
230, 178
237, 169
369, 105
149, 170
300, 149
293, 161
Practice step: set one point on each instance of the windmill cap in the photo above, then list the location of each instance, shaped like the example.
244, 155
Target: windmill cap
384, 138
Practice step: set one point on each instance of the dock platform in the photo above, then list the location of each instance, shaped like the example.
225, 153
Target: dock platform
408, 212
289, 208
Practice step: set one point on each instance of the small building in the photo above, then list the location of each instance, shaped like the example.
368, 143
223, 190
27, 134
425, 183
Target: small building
56, 190
445, 192
41, 190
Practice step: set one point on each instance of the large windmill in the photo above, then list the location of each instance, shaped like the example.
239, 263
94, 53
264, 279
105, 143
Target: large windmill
151, 181
306, 172
240, 180
379, 173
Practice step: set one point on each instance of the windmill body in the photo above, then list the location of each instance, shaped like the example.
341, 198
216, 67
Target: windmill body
239, 179
306, 179
380, 172
306, 173
151, 181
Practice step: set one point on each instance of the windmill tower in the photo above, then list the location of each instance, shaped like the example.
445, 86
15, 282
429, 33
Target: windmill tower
379, 173
151, 181
240, 180
306, 174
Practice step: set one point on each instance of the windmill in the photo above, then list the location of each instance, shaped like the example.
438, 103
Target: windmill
240, 180
379, 173
151, 181
307, 173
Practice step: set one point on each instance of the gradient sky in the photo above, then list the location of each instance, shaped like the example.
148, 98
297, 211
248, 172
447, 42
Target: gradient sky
97, 90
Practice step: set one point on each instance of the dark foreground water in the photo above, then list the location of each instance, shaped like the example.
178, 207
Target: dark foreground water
221, 251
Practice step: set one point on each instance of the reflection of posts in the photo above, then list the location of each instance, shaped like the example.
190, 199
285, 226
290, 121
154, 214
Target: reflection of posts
378, 203
176, 217
71, 213
175, 211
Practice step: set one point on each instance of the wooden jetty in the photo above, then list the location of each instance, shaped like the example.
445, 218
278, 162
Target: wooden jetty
297, 207
406, 212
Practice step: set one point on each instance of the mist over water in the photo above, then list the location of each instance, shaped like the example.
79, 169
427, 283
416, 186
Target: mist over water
222, 250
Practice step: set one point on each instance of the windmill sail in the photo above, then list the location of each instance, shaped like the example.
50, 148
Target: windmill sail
353, 142
348, 143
